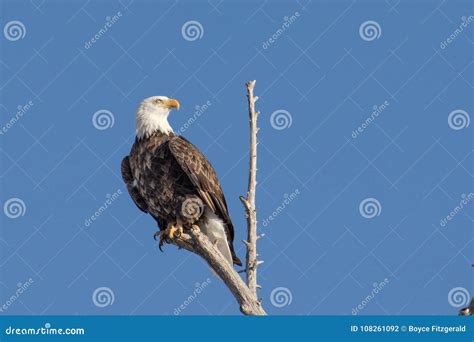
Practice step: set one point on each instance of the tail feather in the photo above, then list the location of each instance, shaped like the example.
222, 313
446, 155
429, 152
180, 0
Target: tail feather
236, 260
213, 227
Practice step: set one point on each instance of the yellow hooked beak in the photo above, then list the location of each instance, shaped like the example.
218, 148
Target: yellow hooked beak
172, 103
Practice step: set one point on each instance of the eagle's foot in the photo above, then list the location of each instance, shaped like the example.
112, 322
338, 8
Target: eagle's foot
176, 230
171, 232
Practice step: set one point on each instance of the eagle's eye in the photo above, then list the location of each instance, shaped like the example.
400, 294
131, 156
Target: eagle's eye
158, 101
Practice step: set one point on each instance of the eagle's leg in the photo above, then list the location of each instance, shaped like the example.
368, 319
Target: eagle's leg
163, 235
178, 229
171, 231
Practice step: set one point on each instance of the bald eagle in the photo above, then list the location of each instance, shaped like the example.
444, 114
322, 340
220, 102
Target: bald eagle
170, 179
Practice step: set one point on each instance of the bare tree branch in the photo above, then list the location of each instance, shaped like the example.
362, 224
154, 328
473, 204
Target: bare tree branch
193, 240
249, 202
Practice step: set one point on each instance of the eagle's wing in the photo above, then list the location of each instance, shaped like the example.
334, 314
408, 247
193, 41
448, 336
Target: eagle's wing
127, 177
204, 178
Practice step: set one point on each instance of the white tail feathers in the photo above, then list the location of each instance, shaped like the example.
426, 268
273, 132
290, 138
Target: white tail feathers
213, 227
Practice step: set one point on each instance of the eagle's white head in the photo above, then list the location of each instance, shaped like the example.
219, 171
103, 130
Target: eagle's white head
152, 115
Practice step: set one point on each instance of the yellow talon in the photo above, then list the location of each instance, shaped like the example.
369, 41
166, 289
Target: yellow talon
172, 231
